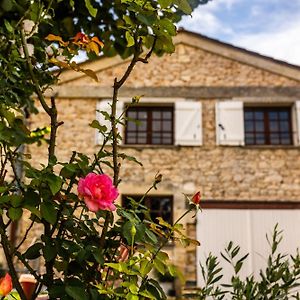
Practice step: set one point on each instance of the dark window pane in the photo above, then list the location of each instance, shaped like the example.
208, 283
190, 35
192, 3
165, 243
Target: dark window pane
248, 115
132, 114
249, 126
167, 125
156, 140
260, 139
156, 115
259, 126
259, 115
167, 115
283, 115
131, 138
131, 125
141, 138
156, 125
142, 126
274, 139
273, 115
286, 139
274, 126
250, 141
142, 115
284, 126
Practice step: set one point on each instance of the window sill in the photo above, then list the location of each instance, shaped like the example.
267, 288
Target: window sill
271, 146
140, 147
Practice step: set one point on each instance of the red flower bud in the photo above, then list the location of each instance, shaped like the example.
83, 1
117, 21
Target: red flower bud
196, 198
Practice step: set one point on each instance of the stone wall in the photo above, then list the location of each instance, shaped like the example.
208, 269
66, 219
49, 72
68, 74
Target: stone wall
189, 66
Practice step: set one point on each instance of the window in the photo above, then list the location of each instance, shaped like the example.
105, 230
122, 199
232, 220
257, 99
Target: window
157, 123
159, 206
150, 125
268, 126
238, 124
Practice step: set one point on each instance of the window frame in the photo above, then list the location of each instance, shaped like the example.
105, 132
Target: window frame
149, 109
266, 129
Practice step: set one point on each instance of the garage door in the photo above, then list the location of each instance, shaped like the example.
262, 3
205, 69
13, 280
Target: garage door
246, 224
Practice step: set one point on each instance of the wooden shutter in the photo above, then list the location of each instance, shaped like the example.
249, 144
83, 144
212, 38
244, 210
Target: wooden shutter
188, 123
105, 105
297, 111
230, 123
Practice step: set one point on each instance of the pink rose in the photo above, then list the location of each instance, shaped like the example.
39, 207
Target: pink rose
98, 192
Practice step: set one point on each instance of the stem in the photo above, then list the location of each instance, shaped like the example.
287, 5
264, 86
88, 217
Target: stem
33, 78
25, 235
164, 243
116, 166
9, 259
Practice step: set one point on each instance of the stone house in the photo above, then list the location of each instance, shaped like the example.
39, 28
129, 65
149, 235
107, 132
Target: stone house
214, 118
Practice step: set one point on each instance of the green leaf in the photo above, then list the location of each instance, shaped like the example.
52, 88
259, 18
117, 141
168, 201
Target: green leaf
8, 26
54, 182
165, 3
16, 200
97, 125
15, 213
159, 266
145, 267
131, 296
49, 252
93, 11
76, 292
184, 6
129, 39
48, 212
34, 251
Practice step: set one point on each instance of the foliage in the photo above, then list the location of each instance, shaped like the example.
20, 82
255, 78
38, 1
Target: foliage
280, 279
86, 255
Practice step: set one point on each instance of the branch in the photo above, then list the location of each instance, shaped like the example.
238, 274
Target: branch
9, 259
148, 55
116, 165
25, 235
54, 125
33, 78
27, 265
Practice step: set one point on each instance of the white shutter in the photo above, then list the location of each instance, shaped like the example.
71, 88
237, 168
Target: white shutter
105, 105
297, 109
188, 123
230, 123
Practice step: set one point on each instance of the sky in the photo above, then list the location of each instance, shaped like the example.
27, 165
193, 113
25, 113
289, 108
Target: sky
269, 27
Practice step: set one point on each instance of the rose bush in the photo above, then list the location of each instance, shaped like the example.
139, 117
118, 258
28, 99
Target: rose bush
84, 250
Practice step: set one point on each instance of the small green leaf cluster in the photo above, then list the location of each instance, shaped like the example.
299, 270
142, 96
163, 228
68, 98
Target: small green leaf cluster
279, 280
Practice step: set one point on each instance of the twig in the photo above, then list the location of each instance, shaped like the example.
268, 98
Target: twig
25, 235
8, 256
148, 55
33, 78
27, 265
